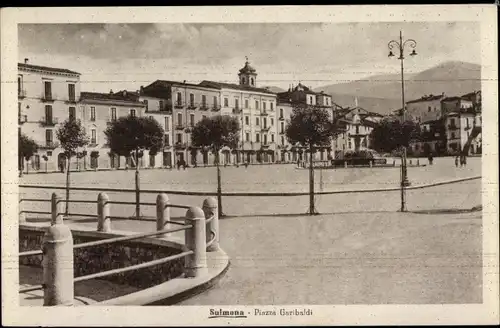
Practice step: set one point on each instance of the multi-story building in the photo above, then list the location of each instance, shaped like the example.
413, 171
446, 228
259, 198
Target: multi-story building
462, 117
182, 105
300, 96
47, 96
256, 109
190, 103
96, 112
424, 109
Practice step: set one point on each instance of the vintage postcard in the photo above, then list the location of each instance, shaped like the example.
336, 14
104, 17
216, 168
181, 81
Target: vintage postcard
203, 166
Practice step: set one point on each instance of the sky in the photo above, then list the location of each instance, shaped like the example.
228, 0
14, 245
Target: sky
126, 56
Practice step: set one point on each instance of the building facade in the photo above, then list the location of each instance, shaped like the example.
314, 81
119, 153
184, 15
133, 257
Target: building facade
424, 109
189, 103
300, 96
97, 111
47, 96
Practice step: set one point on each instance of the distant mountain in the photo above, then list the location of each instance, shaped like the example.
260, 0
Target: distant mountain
274, 89
375, 92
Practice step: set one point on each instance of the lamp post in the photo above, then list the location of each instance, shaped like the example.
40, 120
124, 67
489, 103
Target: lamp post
400, 46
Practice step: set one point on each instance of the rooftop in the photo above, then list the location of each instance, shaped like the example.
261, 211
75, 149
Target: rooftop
123, 95
247, 69
47, 69
221, 85
427, 98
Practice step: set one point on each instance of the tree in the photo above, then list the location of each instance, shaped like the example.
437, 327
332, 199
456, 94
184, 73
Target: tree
71, 135
130, 136
311, 127
390, 135
215, 133
27, 147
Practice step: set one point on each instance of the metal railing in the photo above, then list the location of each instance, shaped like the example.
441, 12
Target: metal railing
201, 236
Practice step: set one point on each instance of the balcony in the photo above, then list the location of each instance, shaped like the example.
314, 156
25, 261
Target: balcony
21, 93
237, 110
180, 127
178, 105
189, 128
282, 132
281, 118
265, 128
167, 146
215, 108
71, 100
452, 127
468, 127
22, 119
49, 121
49, 145
204, 107
264, 113
192, 107
47, 98
180, 145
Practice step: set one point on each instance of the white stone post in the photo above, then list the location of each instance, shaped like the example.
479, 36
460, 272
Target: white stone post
103, 216
211, 211
58, 272
162, 213
195, 240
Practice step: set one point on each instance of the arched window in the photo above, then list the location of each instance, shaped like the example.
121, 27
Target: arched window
242, 80
251, 81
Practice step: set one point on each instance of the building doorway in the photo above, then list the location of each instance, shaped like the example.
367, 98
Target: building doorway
167, 159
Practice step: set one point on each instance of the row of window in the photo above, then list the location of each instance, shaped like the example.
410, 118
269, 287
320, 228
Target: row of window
49, 137
47, 89
236, 102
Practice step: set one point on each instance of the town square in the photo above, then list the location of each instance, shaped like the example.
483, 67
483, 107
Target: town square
250, 164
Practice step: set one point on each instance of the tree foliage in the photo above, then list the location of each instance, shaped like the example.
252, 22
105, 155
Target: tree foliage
390, 135
129, 134
27, 146
71, 135
216, 132
311, 126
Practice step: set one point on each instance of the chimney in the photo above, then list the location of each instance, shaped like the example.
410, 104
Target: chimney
111, 91
124, 93
26, 60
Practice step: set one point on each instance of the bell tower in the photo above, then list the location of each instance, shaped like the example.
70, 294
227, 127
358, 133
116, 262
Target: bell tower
248, 75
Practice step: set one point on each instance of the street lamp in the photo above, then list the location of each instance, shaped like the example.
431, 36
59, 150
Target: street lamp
400, 46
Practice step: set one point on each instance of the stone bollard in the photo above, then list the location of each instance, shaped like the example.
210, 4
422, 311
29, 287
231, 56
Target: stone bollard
103, 219
418, 162
410, 162
393, 162
210, 210
371, 163
195, 239
56, 208
162, 213
345, 164
57, 247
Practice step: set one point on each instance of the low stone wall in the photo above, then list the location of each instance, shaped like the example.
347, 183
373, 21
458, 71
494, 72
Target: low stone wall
89, 260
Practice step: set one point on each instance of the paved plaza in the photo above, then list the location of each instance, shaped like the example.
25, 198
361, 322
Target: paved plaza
360, 250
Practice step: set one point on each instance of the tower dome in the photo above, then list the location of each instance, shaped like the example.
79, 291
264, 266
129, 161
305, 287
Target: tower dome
248, 75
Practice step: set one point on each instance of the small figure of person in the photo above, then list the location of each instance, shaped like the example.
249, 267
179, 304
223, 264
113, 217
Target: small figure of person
431, 158
465, 160
456, 161
178, 164
246, 164
462, 160
184, 164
